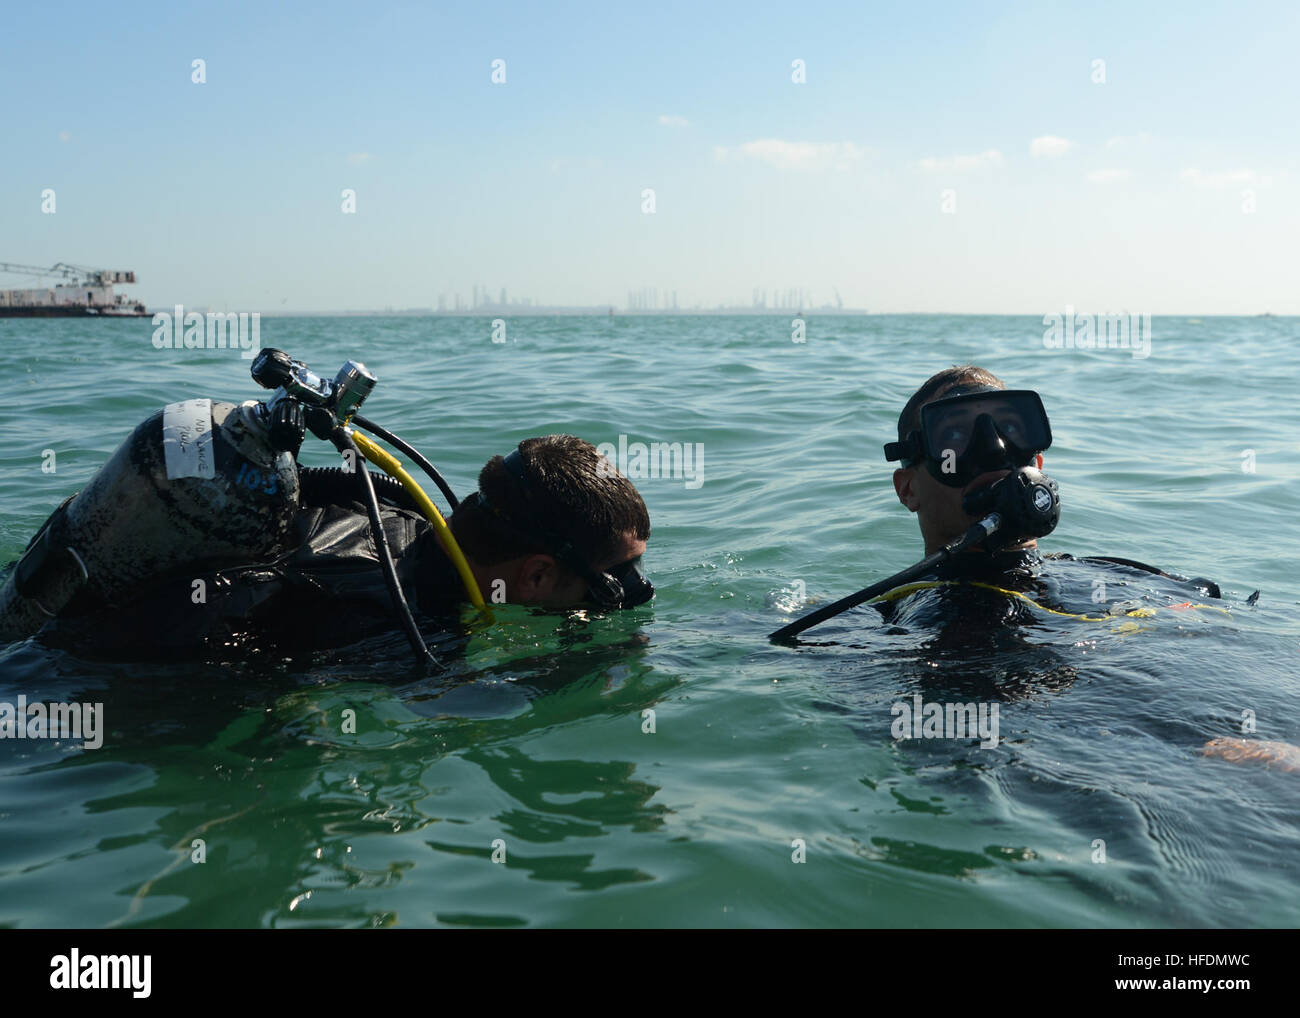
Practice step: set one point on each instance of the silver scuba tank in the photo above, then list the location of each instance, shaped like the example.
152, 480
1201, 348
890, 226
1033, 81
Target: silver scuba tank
198, 483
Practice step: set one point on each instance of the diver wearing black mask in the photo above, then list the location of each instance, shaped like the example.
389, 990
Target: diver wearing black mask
983, 446
971, 469
621, 585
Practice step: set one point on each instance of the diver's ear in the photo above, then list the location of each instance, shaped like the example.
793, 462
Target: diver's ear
536, 577
1040, 461
905, 489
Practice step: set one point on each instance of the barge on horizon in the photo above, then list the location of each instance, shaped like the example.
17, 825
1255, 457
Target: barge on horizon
81, 293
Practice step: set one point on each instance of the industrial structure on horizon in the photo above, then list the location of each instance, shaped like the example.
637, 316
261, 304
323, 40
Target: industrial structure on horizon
80, 292
645, 300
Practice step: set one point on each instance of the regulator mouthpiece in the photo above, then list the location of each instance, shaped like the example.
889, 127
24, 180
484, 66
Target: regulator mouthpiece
1028, 501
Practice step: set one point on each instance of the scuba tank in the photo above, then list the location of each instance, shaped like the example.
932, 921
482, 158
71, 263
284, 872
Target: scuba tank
198, 483
207, 486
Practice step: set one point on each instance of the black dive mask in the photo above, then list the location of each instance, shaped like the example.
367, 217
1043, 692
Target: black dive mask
620, 586
976, 431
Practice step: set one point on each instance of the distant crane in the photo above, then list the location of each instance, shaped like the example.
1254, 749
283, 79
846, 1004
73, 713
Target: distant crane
838, 303
76, 274
77, 291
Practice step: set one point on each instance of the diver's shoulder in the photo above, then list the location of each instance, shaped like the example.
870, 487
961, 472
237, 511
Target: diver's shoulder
1209, 587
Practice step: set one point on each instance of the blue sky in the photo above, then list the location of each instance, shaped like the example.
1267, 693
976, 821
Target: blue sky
1123, 195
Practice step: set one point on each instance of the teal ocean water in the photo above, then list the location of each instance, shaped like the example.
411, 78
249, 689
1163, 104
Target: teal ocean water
534, 749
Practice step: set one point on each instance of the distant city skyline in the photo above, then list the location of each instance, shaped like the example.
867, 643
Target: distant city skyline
972, 157
645, 298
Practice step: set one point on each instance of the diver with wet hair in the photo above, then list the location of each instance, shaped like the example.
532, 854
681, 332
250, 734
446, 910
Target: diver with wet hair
203, 533
961, 436
965, 442
971, 469
551, 525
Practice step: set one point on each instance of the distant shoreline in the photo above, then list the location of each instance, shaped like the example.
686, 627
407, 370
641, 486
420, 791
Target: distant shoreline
582, 312
563, 312
603, 312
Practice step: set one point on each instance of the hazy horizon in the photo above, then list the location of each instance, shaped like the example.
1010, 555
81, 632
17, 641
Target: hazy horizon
596, 310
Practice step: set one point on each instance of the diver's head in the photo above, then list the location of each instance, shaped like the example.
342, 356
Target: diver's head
553, 524
962, 430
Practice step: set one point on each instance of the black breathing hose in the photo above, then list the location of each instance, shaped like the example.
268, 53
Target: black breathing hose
344, 443
412, 452
329, 485
1025, 503
979, 532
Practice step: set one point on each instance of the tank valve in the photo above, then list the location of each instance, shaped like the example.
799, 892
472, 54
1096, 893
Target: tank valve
327, 404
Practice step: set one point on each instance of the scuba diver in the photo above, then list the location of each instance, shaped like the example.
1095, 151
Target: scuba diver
202, 532
970, 453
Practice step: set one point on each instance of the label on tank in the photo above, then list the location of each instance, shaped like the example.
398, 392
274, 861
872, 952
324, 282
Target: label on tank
187, 439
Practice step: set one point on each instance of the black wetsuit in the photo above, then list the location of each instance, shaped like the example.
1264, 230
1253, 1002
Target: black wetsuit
972, 608
325, 591
973, 638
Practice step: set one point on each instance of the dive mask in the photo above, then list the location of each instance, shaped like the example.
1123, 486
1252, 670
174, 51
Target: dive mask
975, 432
